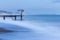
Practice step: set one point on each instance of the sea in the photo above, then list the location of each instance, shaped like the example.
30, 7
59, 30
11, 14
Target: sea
46, 27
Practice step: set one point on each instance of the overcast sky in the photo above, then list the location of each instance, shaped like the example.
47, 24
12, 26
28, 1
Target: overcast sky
32, 6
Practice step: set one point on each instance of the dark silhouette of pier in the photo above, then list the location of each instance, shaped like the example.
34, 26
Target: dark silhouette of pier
15, 16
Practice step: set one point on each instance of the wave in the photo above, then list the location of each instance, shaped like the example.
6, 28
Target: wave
43, 30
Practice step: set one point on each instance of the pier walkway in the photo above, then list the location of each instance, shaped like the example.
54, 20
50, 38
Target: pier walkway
10, 15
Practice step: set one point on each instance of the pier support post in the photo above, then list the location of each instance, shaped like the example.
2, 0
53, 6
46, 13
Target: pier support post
21, 11
4, 17
21, 17
15, 17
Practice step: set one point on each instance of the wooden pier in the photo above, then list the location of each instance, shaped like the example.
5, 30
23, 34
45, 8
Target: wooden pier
15, 16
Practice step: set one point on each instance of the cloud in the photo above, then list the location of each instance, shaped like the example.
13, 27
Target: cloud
56, 1
31, 6
43, 7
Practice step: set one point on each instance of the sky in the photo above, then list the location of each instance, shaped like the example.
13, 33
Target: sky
32, 7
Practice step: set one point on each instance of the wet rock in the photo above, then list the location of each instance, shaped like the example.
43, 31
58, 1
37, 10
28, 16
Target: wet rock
5, 30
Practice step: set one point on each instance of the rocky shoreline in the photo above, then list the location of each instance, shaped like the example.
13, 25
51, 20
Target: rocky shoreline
2, 30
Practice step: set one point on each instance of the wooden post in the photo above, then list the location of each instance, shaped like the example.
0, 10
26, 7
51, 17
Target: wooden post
21, 14
4, 17
15, 17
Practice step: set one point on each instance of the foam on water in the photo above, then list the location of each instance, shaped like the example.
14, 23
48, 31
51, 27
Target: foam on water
41, 30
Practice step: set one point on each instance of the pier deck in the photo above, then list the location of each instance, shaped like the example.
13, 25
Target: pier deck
4, 16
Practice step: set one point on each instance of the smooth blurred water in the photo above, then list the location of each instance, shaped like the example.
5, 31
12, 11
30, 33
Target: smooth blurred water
23, 33
28, 34
52, 18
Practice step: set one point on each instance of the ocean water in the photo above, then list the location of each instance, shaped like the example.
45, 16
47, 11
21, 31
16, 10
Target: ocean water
45, 27
53, 18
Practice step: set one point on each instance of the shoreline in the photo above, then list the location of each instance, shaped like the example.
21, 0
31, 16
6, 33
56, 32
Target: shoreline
3, 30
